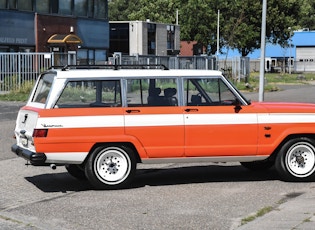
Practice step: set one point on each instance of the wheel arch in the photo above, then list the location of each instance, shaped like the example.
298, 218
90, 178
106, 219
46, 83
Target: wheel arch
127, 144
285, 140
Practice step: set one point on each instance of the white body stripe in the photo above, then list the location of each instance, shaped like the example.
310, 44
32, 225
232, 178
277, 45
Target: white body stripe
171, 120
154, 120
220, 119
281, 118
66, 157
80, 122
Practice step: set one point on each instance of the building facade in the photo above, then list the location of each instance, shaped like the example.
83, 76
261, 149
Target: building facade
144, 38
72, 27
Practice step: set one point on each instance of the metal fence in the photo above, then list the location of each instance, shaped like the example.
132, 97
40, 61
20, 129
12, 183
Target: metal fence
236, 69
18, 68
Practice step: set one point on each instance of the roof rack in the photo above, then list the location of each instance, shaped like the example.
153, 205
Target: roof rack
115, 67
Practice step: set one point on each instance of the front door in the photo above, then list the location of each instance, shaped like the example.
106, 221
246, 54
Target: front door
215, 124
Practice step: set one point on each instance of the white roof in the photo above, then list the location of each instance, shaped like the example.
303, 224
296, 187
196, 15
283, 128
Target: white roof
126, 73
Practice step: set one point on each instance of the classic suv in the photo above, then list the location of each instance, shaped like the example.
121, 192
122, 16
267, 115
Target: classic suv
100, 123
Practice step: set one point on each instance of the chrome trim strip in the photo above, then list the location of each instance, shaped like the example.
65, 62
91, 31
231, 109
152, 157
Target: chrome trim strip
203, 159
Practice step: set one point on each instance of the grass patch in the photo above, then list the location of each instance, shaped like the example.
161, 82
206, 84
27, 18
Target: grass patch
21, 94
272, 80
260, 213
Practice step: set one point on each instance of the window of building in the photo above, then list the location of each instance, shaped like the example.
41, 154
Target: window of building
3, 4
152, 92
170, 37
119, 38
42, 6
151, 38
83, 94
100, 9
90, 9
82, 57
100, 57
91, 57
80, 8
12, 4
25, 5
65, 7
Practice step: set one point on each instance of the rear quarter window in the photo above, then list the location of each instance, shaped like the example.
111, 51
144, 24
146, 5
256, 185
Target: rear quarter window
43, 88
105, 93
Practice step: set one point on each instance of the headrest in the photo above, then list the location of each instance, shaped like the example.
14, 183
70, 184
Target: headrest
154, 91
170, 92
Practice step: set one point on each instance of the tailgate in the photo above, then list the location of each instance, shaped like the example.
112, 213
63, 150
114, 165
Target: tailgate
25, 124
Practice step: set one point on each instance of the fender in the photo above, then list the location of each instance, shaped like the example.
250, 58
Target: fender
269, 140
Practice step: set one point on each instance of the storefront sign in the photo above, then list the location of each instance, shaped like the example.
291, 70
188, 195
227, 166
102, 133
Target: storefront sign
9, 40
17, 28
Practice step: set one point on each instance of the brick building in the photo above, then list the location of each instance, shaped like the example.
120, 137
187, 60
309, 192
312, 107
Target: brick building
77, 27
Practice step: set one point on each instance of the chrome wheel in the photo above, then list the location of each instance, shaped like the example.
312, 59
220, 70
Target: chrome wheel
112, 165
296, 160
300, 159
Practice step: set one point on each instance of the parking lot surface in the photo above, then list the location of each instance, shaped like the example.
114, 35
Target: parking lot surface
166, 196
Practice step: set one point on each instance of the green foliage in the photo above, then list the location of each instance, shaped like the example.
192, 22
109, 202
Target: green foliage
273, 80
21, 94
307, 12
240, 20
260, 213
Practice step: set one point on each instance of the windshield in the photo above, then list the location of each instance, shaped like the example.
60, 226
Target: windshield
43, 88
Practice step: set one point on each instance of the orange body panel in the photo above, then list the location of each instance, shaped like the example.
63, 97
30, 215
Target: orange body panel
162, 132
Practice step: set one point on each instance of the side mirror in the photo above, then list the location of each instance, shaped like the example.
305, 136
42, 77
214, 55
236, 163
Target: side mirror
238, 106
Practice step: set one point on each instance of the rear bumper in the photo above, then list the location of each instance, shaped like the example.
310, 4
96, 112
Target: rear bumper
37, 159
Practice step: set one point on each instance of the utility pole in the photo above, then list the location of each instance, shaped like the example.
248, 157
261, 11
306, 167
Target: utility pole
218, 39
262, 52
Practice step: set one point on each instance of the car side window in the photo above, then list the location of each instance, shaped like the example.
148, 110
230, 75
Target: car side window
207, 91
152, 92
43, 88
106, 93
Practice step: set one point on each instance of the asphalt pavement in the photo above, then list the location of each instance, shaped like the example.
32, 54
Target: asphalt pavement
298, 212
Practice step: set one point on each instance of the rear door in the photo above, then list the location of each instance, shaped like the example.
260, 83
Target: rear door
153, 116
215, 122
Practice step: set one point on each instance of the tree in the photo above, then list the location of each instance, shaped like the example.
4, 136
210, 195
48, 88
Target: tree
240, 20
163, 11
119, 10
307, 19
198, 20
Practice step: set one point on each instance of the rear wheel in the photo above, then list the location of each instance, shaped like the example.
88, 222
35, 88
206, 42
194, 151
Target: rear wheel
296, 160
111, 167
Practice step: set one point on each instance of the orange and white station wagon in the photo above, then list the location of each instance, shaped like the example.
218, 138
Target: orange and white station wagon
100, 122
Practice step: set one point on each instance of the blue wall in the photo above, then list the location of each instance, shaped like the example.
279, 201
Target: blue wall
299, 38
17, 28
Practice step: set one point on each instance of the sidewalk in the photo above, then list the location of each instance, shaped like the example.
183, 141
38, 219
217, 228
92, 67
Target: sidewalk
297, 213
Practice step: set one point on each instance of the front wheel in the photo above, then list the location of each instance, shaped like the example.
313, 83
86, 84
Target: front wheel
296, 160
111, 167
